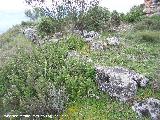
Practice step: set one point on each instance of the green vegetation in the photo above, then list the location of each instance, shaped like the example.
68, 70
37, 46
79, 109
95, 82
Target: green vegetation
47, 26
44, 80
135, 14
149, 23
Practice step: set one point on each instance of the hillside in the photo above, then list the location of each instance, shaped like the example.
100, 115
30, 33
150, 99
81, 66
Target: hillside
109, 73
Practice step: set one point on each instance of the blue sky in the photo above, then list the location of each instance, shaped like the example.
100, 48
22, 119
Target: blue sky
12, 11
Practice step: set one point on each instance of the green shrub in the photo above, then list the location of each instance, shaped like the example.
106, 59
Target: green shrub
44, 78
27, 23
48, 26
9, 35
75, 43
149, 36
149, 23
135, 14
115, 19
96, 19
145, 36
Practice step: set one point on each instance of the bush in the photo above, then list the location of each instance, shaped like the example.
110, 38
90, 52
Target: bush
42, 81
115, 19
145, 36
149, 23
135, 14
96, 19
27, 23
48, 26
75, 43
149, 36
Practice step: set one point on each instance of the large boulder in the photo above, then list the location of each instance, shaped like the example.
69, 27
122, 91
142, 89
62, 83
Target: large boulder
148, 108
119, 82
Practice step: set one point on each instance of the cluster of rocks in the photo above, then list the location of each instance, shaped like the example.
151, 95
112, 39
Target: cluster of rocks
90, 36
119, 82
122, 84
152, 7
93, 38
31, 33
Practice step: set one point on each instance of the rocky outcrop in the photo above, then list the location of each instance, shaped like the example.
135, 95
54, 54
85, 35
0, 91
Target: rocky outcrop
148, 108
119, 82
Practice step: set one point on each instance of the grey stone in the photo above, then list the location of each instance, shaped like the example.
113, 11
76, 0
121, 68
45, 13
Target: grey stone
31, 34
148, 108
90, 36
77, 32
98, 45
77, 55
119, 82
73, 53
58, 35
113, 40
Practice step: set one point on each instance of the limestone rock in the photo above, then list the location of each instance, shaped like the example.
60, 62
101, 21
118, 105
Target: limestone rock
98, 45
74, 54
58, 35
77, 32
148, 108
31, 34
119, 82
90, 36
113, 40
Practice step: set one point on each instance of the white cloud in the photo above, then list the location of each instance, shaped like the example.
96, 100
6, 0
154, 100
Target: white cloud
12, 5
120, 5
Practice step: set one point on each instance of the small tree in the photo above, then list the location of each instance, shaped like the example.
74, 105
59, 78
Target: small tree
96, 18
115, 19
47, 26
135, 14
72, 9
35, 13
